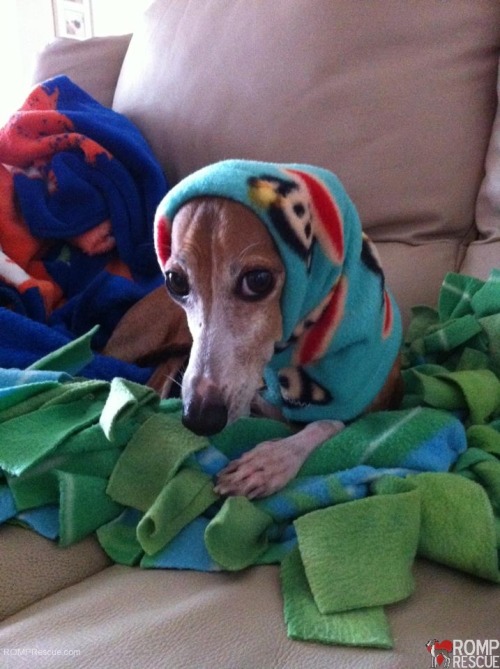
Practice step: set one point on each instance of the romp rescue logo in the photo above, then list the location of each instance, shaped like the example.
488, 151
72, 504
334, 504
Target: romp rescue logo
465, 654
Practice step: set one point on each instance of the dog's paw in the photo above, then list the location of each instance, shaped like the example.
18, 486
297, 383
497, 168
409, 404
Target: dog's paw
272, 464
260, 472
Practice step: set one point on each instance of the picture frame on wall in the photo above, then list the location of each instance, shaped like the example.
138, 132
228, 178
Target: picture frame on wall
73, 18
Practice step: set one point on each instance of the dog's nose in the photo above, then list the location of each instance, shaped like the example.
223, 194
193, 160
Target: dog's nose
205, 413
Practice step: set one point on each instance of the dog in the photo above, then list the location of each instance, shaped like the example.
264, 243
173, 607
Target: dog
440, 652
287, 306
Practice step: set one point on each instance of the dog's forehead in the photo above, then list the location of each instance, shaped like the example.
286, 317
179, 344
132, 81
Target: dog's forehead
221, 225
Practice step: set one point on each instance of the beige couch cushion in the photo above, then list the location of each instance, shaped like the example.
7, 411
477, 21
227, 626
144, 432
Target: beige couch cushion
397, 98
125, 617
32, 567
93, 64
485, 253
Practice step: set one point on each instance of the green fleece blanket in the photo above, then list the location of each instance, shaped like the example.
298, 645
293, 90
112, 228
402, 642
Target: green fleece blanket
78, 457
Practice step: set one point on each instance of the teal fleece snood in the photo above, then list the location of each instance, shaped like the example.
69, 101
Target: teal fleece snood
341, 326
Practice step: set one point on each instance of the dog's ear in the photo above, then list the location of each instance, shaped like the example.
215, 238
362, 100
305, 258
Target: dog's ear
163, 344
152, 330
162, 239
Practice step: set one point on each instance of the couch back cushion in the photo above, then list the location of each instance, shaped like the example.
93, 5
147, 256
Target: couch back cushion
397, 98
485, 252
82, 62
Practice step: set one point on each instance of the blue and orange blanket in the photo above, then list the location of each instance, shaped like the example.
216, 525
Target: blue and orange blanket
78, 190
113, 460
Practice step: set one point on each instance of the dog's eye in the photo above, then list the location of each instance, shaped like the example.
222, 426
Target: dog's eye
177, 284
256, 284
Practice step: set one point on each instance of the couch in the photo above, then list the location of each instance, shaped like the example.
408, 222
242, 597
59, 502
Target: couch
399, 99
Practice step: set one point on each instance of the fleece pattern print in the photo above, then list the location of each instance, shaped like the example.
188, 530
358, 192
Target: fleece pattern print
79, 187
341, 326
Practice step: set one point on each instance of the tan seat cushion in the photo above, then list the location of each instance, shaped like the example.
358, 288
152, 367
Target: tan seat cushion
126, 617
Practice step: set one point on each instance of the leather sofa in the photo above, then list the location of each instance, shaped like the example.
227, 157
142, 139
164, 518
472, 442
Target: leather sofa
399, 99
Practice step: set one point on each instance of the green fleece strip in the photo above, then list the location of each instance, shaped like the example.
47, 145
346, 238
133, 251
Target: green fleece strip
84, 506
183, 499
32, 436
238, 535
464, 536
361, 627
360, 554
70, 358
152, 457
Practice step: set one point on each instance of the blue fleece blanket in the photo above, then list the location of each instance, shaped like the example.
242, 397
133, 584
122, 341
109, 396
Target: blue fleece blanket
78, 190
160, 476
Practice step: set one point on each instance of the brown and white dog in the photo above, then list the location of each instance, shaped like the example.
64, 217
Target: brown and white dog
223, 266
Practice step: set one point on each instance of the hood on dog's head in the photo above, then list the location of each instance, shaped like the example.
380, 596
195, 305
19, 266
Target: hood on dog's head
341, 327
301, 207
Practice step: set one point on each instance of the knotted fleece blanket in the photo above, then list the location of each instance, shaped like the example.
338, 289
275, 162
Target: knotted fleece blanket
335, 307
112, 458
78, 190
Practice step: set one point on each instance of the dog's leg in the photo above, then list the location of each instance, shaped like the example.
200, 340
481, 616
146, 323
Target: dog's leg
272, 464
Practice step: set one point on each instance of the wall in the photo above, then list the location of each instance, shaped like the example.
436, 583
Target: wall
27, 25
116, 17
35, 29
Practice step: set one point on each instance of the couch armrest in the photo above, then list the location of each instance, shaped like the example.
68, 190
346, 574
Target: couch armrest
93, 64
32, 567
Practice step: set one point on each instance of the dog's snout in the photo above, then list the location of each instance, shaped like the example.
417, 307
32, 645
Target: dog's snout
205, 413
